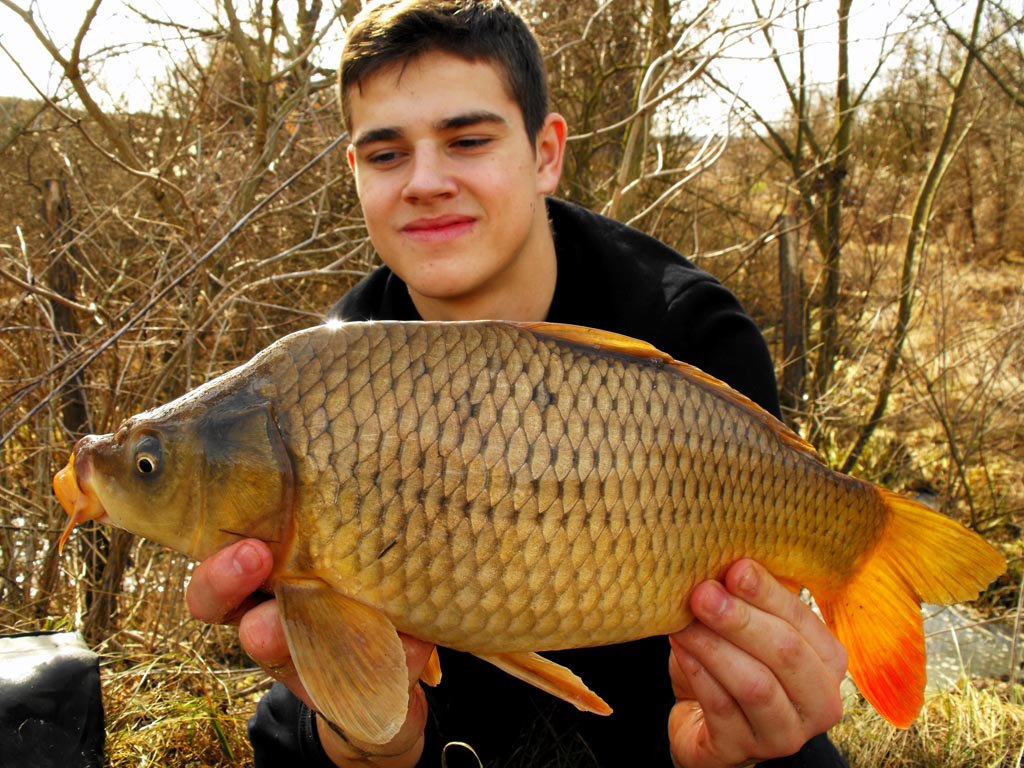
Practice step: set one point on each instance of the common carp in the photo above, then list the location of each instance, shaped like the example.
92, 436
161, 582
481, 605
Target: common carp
503, 489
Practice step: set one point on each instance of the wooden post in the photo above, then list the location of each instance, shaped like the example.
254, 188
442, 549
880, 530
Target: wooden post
62, 278
794, 358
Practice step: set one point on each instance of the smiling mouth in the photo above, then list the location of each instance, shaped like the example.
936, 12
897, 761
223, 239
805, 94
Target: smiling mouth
441, 229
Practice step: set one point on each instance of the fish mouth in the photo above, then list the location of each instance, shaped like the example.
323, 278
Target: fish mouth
80, 502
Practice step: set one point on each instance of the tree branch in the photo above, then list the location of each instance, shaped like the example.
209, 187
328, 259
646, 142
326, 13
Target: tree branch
1015, 94
73, 72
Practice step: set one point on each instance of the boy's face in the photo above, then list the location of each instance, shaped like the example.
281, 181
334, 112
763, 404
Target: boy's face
451, 188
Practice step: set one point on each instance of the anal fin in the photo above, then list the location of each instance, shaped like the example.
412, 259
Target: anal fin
431, 674
349, 657
551, 677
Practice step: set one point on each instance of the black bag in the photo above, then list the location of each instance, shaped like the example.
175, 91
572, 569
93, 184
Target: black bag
51, 708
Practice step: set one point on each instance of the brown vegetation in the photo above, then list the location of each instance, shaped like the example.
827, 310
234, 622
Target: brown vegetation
141, 254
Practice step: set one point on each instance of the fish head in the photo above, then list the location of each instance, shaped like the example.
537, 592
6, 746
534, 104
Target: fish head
194, 482
140, 478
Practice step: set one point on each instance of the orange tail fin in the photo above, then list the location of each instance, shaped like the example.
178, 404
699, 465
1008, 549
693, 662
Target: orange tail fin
921, 557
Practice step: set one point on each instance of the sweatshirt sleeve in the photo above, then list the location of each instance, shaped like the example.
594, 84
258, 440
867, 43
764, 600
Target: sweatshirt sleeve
819, 752
283, 732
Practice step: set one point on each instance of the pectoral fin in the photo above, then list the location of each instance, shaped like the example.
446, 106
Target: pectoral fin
550, 677
349, 657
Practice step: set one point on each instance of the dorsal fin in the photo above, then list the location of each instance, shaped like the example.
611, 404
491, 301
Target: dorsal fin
616, 343
605, 341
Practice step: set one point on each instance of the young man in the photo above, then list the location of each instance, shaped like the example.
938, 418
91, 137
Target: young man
454, 154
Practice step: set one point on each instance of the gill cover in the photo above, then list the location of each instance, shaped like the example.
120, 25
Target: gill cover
248, 479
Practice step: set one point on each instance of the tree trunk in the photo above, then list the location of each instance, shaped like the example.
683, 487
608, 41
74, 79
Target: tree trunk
834, 179
62, 280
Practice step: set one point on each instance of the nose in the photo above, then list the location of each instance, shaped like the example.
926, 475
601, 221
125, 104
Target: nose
430, 177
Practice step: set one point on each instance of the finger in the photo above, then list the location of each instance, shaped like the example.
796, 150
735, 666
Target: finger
687, 735
751, 582
680, 683
743, 701
417, 654
770, 638
784, 688
689, 742
680, 686
222, 585
261, 635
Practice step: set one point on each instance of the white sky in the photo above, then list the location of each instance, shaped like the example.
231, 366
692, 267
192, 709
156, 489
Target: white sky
139, 58
127, 77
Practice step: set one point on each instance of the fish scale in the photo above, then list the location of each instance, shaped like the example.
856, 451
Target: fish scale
581, 434
505, 488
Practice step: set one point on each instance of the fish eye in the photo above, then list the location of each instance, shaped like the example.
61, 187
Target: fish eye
148, 455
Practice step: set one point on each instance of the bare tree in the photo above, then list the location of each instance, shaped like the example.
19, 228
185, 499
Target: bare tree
817, 155
953, 133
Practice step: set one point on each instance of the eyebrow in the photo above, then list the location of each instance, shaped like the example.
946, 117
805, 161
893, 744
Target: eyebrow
470, 118
447, 124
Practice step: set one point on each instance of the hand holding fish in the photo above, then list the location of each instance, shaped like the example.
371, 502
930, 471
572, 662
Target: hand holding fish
756, 675
222, 590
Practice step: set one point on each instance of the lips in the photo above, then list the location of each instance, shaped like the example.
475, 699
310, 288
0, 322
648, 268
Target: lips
437, 229
80, 503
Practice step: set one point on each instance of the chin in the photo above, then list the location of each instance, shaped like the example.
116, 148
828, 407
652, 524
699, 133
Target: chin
442, 287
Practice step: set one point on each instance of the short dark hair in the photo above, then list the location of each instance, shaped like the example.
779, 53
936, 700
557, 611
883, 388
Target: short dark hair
475, 30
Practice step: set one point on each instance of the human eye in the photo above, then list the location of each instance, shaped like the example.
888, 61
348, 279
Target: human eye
471, 142
384, 158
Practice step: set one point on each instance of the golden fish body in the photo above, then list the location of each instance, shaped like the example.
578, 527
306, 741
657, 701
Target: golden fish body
495, 490
501, 489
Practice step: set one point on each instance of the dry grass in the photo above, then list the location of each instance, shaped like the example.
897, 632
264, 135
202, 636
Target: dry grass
185, 704
975, 725
165, 711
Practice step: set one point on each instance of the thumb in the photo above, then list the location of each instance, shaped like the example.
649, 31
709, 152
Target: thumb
690, 740
686, 730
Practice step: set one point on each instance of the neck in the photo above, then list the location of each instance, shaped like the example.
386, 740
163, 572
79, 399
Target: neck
530, 306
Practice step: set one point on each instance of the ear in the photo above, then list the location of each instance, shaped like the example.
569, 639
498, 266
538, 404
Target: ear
350, 154
550, 152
